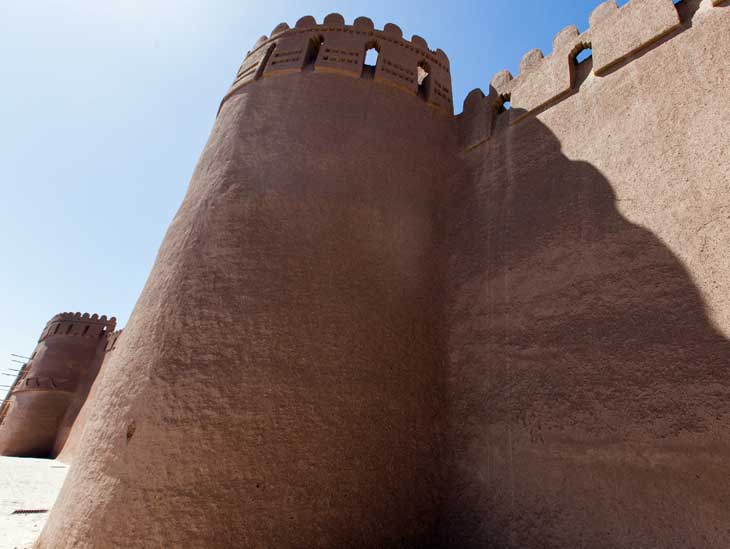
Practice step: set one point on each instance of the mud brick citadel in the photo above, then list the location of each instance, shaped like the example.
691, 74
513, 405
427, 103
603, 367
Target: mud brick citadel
376, 323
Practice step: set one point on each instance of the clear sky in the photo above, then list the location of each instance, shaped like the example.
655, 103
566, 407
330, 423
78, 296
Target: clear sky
105, 106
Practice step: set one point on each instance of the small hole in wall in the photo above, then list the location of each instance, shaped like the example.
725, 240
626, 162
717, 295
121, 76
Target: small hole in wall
582, 55
424, 79
371, 57
502, 104
131, 428
372, 52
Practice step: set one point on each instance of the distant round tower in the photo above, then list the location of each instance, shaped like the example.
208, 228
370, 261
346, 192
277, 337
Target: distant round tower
276, 385
41, 406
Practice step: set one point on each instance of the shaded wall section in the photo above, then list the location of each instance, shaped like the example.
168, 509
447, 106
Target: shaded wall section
587, 314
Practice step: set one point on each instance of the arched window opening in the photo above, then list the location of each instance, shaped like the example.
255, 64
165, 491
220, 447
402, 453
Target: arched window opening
310, 56
581, 52
424, 79
264, 62
502, 104
372, 52
581, 64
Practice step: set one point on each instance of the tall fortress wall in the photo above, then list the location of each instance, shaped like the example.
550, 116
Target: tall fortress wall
374, 323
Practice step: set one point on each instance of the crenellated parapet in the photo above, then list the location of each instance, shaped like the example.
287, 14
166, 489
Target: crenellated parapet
614, 36
78, 324
334, 47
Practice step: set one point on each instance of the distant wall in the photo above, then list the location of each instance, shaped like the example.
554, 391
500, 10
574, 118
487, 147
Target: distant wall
587, 292
43, 403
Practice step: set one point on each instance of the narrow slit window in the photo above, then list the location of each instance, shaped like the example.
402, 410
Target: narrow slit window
582, 55
371, 57
424, 79
313, 47
264, 62
372, 51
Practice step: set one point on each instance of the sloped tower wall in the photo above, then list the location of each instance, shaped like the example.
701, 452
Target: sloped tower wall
46, 397
276, 385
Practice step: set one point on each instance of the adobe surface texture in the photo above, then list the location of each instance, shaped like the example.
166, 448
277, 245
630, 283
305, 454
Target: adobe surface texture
374, 323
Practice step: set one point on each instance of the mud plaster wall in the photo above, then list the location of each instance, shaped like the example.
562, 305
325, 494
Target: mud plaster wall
587, 311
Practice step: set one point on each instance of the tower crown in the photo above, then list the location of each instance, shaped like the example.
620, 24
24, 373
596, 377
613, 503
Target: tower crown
334, 47
77, 324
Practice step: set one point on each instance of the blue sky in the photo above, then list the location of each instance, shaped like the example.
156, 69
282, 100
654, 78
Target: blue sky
106, 105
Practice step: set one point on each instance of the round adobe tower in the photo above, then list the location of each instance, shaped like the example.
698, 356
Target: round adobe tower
276, 384
43, 402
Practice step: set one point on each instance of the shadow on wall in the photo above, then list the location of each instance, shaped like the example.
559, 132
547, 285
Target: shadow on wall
587, 389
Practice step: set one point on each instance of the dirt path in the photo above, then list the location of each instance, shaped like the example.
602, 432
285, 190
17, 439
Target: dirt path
26, 485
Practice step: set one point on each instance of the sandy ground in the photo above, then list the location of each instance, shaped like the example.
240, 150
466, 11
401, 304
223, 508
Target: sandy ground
26, 484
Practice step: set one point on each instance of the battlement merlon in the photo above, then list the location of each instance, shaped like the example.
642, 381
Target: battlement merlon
78, 324
334, 47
